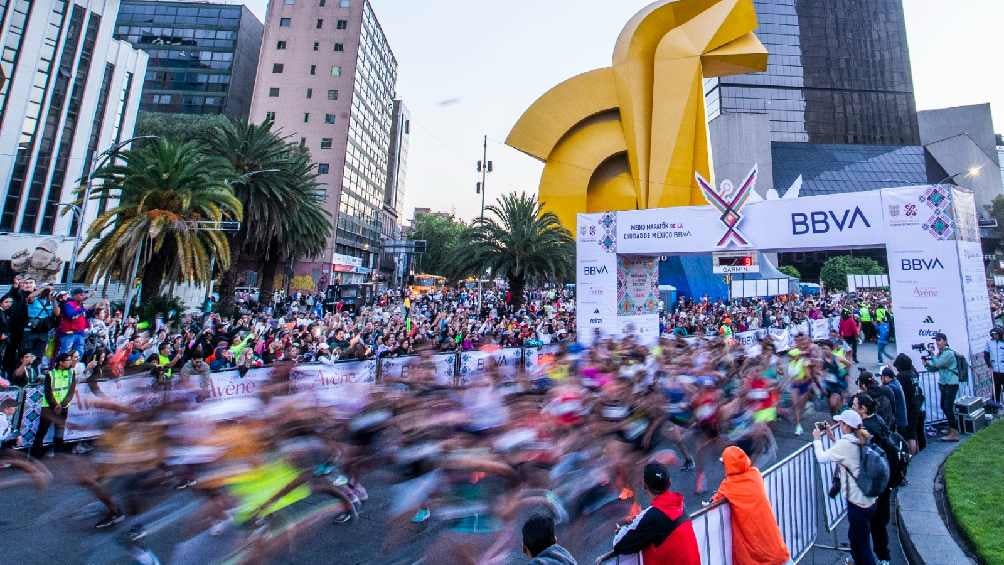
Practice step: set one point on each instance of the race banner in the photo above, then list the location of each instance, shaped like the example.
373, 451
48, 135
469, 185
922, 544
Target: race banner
800, 329
397, 367
343, 386
819, 329
507, 360
781, 338
84, 420
534, 356
749, 341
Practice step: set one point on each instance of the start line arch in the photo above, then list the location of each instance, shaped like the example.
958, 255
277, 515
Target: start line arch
936, 273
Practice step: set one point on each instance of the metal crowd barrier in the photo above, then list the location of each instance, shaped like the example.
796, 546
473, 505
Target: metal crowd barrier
978, 385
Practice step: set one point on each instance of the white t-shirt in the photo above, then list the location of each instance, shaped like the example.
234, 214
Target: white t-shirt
996, 351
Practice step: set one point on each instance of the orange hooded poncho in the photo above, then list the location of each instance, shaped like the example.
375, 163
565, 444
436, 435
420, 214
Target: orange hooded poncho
756, 538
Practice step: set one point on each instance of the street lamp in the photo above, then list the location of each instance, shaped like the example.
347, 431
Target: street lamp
969, 173
82, 208
484, 167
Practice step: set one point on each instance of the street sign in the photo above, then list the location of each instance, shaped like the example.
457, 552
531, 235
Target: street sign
734, 262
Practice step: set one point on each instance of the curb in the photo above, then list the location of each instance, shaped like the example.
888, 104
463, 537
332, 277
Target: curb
922, 531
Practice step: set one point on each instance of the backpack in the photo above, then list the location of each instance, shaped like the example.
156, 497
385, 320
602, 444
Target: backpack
873, 476
897, 453
961, 367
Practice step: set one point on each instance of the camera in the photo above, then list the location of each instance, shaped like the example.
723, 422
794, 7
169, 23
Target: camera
822, 426
919, 347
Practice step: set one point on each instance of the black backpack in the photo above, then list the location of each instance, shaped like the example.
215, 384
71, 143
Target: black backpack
961, 367
873, 475
897, 453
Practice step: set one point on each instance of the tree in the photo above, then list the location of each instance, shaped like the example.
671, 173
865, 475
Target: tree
305, 227
790, 270
267, 198
163, 191
518, 241
835, 270
442, 234
178, 127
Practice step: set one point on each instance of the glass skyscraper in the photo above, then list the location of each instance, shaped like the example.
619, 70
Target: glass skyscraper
203, 56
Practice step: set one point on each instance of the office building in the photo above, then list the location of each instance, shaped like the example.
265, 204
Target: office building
327, 76
71, 92
203, 56
392, 215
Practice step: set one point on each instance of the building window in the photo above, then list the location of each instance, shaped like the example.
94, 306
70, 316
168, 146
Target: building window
345, 3
323, 3
339, 47
277, 68
285, 22
273, 92
310, 93
343, 24
332, 95
317, 46
303, 141
313, 69
280, 45
323, 168
306, 117
320, 23
336, 71
270, 116
326, 143
329, 118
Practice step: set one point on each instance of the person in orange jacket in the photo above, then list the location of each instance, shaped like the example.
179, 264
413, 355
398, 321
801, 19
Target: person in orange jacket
756, 537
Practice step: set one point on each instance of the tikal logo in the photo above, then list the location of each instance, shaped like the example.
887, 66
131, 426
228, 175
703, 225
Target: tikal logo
928, 320
927, 332
824, 222
595, 271
921, 264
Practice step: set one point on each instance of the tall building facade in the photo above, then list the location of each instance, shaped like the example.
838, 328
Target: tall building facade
392, 215
326, 76
838, 73
203, 56
71, 92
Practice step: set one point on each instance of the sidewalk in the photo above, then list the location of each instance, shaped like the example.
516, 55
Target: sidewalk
924, 533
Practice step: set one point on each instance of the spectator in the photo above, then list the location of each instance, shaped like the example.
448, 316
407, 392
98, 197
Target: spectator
850, 332
994, 356
882, 339
6, 329
662, 532
908, 381
879, 430
17, 317
541, 545
60, 386
40, 323
884, 398
73, 322
756, 538
890, 383
948, 382
860, 508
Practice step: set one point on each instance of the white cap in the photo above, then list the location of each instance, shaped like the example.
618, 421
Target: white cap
849, 417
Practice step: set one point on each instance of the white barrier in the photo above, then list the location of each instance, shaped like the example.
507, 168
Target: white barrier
343, 386
398, 367
713, 528
791, 485
836, 507
507, 360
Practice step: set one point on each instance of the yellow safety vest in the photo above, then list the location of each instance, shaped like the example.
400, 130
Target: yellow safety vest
163, 361
62, 379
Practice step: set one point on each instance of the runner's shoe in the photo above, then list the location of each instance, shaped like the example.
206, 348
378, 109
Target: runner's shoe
110, 520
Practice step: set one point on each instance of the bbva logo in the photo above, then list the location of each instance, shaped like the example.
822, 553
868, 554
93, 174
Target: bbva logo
921, 264
823, 222
593, 270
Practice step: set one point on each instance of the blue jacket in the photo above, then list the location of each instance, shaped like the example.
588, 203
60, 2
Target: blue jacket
883, 332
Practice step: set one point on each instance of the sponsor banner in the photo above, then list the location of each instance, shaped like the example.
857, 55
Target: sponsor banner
644, 327
343, 386
84, 421
507, 360
749, 341
974, 289
817, 222
637, 286
781, 338
397, 367
596, 274
801, 328
819, 329
31, 411
532, 357
9, 431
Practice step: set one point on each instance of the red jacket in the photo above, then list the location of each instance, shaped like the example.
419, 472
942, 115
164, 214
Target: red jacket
648, 534
72, 318
848, 328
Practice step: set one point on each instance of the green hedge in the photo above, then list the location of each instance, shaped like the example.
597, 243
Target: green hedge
974, 480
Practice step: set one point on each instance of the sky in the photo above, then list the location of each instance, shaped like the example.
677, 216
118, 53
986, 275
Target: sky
469, 68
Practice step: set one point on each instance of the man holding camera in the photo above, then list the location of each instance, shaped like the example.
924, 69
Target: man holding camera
948, 381
994, 356
41, 320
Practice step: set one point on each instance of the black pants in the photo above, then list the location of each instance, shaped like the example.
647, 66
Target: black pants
948, 394
998, 387
858, 534
853, 342
880, 525
49, 418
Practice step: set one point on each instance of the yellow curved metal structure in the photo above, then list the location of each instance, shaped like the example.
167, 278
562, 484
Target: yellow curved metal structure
632, 135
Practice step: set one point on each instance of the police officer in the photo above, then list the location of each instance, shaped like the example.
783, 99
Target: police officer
60, 385
994, 356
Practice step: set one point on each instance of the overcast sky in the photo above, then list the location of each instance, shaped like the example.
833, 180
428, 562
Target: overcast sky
470, 67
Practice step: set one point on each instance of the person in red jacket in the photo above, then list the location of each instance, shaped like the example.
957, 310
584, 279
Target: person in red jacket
756, 537
662, 532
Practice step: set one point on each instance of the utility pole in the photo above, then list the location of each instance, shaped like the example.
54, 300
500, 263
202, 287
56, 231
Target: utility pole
484, 167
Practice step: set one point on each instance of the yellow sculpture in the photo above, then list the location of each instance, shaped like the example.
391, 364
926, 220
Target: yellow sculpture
631, 136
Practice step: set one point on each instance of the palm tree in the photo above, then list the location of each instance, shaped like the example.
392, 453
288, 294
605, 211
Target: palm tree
267, 197
518, 241
305, 227
166, 192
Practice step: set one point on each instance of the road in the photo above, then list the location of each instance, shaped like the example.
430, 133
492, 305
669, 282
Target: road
56, 526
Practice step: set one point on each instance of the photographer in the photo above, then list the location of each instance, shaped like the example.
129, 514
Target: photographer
948, 381
73, 322
41, 322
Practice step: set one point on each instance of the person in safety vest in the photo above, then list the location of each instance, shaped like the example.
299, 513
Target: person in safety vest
59, 387
867, 322
162, 363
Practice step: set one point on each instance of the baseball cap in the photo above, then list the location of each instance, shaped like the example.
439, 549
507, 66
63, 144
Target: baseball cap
77, 291
940, 336
657, 477
849, 417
